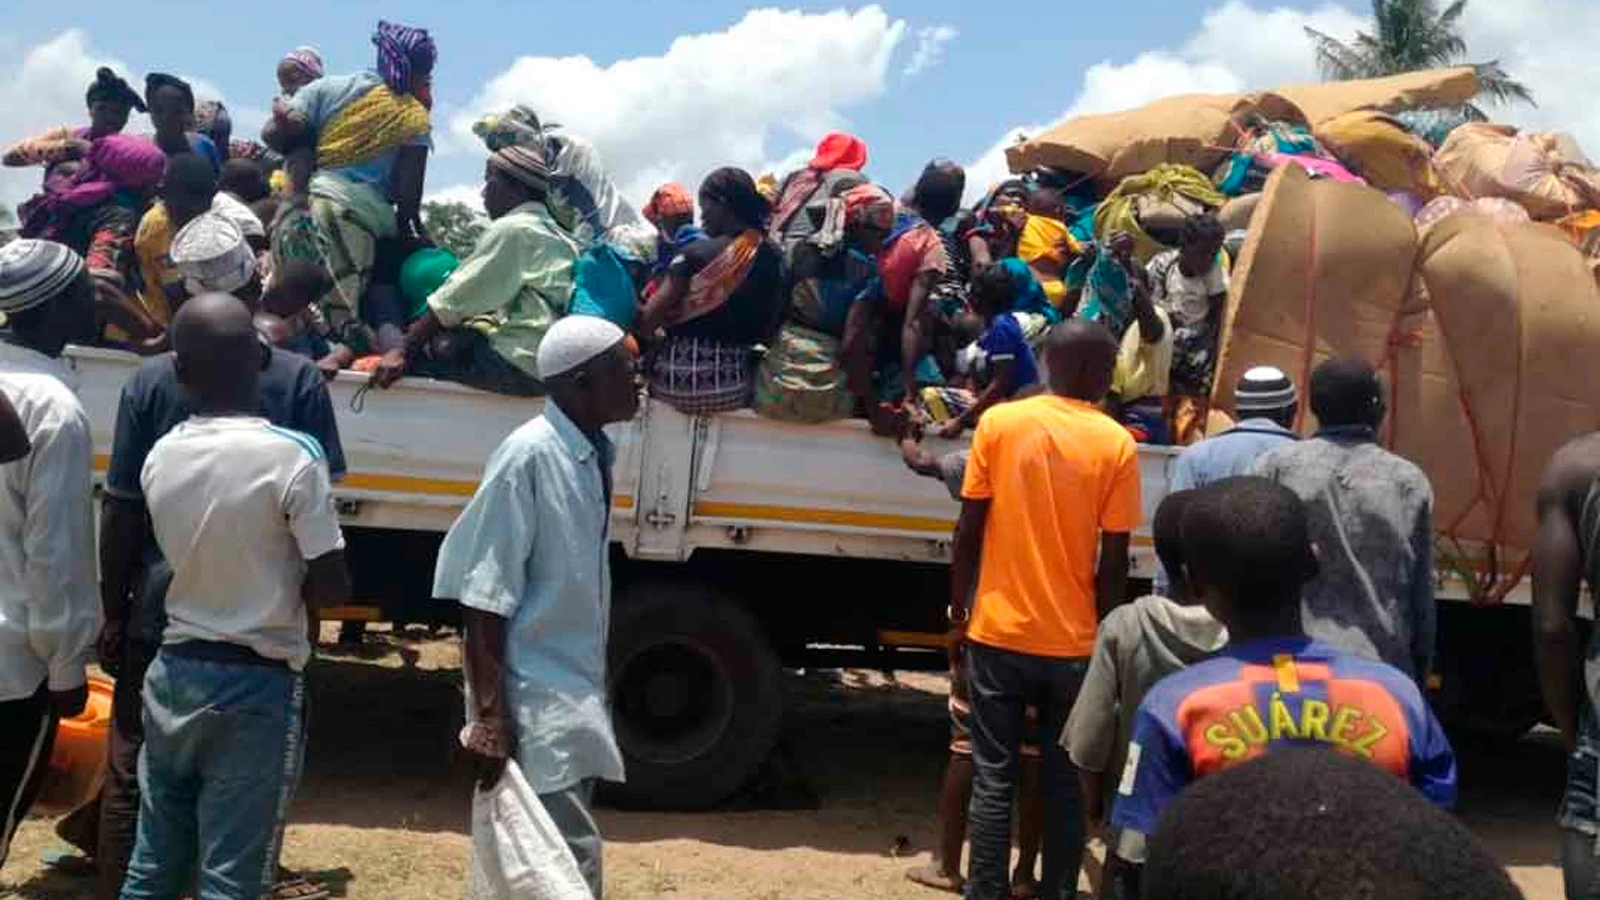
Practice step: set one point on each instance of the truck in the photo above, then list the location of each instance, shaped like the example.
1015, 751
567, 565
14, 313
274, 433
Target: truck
741, 546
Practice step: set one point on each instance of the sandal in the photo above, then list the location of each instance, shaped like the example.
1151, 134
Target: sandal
295, 887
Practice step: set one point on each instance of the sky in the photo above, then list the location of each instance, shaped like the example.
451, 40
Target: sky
669, 91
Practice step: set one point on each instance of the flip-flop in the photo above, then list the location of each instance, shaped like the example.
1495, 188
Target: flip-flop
298, 888
69, 862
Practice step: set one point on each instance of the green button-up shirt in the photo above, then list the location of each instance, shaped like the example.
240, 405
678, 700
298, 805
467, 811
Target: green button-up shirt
515, 284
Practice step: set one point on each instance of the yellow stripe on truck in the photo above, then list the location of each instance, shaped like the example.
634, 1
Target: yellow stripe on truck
809, 516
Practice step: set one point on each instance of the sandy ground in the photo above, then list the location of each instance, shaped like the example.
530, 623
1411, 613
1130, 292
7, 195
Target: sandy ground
383, 812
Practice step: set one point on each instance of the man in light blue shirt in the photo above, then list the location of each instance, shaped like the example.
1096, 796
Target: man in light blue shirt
1265, 402
528, 561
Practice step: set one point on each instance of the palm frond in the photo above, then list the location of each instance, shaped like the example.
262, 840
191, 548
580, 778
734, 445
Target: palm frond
1337, 60
1499, 86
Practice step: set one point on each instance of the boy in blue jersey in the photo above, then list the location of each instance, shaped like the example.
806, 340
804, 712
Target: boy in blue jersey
1247, 553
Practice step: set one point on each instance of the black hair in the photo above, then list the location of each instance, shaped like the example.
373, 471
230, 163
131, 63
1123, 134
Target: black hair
1166, 530
1309, 823
190, 174
155, 81
937, 194
1249, 538
107, 85
1347, 392
1202, 228
735, 189
245, 178
992, 278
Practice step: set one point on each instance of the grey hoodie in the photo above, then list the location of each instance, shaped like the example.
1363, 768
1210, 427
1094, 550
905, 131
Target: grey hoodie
1139, 644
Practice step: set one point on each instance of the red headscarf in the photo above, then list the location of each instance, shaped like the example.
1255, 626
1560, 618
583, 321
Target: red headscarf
671, 199
840, 151
835, 151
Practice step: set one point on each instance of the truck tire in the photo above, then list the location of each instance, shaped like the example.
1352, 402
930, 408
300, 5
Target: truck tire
696, 696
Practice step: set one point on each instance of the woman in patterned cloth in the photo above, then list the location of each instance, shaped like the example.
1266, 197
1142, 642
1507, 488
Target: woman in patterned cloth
723, 295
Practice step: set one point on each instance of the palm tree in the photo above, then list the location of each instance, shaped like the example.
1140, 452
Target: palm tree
1412, 35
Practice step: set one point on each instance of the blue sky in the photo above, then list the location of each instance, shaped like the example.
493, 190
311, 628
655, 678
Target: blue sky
996, 71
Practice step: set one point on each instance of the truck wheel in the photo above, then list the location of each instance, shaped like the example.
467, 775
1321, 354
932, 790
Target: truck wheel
696, 695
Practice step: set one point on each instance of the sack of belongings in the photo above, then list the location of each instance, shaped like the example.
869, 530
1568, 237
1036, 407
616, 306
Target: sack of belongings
1152, 207
1584, 229
1378, 148
1499, 209
1497, 378
1546, 173
1189, 130
1324, 272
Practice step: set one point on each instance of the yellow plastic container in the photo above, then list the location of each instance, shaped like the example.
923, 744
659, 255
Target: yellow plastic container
78, 760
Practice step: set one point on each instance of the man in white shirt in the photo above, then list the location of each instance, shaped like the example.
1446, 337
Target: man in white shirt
243, 512
48, 612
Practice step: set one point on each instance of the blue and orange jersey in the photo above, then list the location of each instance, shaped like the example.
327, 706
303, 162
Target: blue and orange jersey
1257, 696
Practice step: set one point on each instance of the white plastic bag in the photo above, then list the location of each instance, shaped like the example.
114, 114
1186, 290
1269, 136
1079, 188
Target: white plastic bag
517, 853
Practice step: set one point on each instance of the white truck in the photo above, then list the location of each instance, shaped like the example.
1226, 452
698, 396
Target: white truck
740, 545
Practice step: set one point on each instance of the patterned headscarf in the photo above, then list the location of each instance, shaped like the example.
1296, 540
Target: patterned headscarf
868, 204
33, 272
671, 199
305, 60
401, 49
526, 166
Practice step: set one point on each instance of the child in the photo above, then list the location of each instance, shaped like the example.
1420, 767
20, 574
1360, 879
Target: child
944, 872
1246, 554
1303, 824
1138, 644
1002, 363
288, 314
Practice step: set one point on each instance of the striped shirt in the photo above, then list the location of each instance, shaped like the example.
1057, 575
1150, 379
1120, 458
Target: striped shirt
238, 506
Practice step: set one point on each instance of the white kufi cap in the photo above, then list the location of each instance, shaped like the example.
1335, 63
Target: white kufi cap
573, 341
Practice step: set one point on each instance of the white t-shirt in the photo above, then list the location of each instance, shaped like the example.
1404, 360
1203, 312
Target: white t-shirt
1187, 300
238, 506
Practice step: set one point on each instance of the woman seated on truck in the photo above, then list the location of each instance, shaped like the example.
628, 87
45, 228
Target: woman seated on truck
357, 149
820, 366
722, 296
484, 324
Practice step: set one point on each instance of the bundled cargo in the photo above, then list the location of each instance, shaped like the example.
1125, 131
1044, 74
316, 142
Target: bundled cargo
1499, 376
1546, 173
1380, 149
1152, 207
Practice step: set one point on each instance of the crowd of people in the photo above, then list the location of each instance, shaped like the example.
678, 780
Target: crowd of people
1295, 608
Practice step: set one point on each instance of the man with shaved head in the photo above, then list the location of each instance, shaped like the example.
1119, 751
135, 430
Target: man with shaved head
1051, 479
243, 512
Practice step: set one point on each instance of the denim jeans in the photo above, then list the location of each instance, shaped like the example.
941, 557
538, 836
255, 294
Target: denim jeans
1580, 823
1003, 684
222, 753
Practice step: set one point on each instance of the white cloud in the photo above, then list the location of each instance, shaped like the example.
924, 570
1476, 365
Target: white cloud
931, 41
1237, 46
724, 98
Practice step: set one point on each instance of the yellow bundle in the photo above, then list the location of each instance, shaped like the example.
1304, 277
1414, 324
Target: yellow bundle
376, 123
1163, 184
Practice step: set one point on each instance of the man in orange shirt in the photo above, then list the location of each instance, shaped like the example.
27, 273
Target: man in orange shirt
1050, 480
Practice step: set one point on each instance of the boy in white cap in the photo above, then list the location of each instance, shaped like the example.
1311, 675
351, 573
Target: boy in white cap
528, 562
49, 614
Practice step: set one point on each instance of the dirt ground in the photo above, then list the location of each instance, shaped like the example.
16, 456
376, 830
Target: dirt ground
383, 811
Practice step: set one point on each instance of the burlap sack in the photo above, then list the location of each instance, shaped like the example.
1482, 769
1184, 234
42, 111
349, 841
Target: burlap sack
1413, 90
1505, 372
1191, 130
1543, 172
1325, 272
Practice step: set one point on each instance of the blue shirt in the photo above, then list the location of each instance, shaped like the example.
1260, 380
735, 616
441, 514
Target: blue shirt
1233, 452
1004, 341
1255, 697
531, 547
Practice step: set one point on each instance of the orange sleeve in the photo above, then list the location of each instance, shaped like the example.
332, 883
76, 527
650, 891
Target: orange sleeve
976, 485
1120, 514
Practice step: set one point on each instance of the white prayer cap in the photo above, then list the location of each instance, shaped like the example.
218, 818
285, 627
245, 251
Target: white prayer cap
1264, 389
212, 255
33, 272
573, 341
